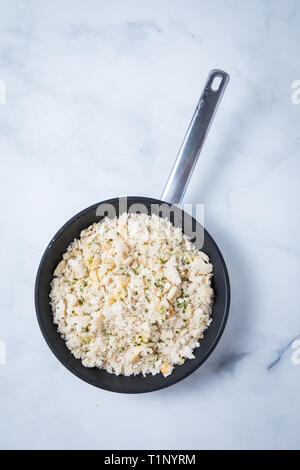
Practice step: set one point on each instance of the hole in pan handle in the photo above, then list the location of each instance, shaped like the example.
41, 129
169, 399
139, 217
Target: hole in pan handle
195, 137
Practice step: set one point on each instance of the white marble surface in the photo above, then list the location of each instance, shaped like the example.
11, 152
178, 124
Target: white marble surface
98, 97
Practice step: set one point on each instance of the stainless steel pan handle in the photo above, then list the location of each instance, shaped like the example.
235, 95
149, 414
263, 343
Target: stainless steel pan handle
195, 137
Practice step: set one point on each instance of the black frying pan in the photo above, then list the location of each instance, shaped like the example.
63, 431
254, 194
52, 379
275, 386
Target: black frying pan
173, 194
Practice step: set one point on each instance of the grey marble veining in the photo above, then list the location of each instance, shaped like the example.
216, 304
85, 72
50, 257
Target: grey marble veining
98, 98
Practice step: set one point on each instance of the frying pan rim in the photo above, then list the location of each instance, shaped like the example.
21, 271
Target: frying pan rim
114, 388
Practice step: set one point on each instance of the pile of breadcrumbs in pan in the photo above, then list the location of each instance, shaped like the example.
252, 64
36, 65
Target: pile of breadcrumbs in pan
132, 295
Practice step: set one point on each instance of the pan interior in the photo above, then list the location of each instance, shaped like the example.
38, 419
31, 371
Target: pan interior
101, 378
